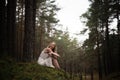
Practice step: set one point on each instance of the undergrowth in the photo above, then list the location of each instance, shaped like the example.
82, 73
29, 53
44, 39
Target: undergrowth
10, 70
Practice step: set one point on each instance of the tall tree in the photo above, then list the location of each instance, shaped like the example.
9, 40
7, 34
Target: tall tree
99, 16
19, 28
34, 24
29, 35
3, 36
11, 27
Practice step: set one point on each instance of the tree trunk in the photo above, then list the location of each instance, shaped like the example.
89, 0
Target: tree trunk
22, 30
34, 17
3, 35
17, 32
108, 52
118, 15
85, 75
80, 76
92, 74
98, 55
99, 65
11, 27
107, 41
29, 35
118, 27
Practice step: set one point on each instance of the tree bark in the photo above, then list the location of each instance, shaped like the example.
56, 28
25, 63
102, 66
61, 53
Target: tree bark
34, 17
118, 27
85, 75
22, 30
92, 74
108, 52
29, 35
3, 35
99, 58
11, 27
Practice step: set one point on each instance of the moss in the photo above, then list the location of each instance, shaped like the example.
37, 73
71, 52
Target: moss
6, 69
29, 71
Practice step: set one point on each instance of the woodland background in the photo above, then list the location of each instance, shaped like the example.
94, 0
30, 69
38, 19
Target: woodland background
27, 26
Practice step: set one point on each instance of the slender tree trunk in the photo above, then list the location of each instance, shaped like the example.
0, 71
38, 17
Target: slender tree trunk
118, 27
92, 74
85, 75
22, 30
29, 35
17, 32
104, 59
80, 76
103, 52
108, 52
41, 33
107, 41
99, 59
3, 29
11, 27
99, 66
118, 17
34, 21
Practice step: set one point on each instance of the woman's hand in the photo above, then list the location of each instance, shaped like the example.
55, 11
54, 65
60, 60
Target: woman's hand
48, 51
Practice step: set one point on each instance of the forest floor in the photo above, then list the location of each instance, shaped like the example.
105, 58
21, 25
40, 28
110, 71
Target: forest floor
11, 70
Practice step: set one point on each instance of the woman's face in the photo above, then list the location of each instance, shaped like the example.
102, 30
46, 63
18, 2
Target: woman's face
52, 46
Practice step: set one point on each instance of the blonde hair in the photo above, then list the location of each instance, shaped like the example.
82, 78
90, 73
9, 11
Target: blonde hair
55, 48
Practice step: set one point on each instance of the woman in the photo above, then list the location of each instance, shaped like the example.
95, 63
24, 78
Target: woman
48, 56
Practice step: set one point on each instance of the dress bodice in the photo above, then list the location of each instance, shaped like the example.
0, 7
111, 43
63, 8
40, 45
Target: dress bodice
44, 55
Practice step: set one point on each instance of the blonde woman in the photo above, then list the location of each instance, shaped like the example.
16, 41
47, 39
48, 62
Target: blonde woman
48, 56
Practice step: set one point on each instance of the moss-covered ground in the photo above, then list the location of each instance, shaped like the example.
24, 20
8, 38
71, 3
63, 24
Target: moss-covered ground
10, 70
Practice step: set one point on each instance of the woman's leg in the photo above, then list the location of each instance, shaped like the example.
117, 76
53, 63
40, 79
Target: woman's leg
55, 63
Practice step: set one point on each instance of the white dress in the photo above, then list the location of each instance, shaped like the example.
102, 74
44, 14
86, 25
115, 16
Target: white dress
45, 59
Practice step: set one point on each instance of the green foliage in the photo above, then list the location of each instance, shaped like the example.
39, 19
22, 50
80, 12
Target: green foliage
98, 19
6, 69
29, 71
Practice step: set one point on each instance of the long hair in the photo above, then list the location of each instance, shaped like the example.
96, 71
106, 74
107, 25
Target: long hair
55, 48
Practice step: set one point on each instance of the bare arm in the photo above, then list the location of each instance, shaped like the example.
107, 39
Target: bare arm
50, 52
56, 54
